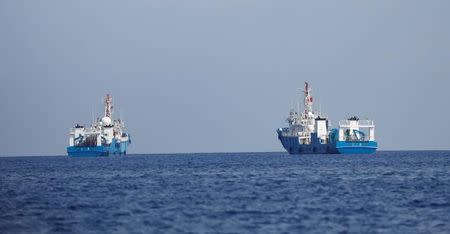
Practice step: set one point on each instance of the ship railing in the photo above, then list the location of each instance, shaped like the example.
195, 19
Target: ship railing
361, 123
86, 131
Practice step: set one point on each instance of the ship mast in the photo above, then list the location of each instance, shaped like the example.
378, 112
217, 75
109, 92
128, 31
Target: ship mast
308, 100
108, 106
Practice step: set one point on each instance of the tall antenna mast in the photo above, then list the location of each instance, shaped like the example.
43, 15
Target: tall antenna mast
108, 106
308, 99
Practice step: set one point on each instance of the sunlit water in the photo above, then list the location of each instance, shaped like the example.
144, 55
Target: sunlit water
401, 192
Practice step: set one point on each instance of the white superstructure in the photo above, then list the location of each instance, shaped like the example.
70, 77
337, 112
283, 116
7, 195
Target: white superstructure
303, 124
100, 133
354, 129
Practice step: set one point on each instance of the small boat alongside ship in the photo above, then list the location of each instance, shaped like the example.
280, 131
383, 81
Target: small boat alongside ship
104, 137
309, 133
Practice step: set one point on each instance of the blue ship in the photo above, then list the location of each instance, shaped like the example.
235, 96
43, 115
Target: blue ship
104, 137
308, 133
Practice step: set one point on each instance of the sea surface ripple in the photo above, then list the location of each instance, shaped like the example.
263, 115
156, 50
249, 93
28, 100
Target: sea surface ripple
389, 192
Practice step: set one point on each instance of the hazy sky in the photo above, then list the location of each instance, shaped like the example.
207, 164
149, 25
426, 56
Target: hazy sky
214, 76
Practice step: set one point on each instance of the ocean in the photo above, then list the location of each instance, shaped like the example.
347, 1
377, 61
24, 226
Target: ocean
388, 192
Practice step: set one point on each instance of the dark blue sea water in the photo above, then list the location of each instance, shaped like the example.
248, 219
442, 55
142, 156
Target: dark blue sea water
393, 192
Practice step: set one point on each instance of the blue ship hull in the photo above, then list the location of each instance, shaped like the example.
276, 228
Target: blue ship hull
363, 147
292, 146
114, 148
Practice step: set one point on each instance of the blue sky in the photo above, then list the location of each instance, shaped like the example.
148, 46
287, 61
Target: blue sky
220, 76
